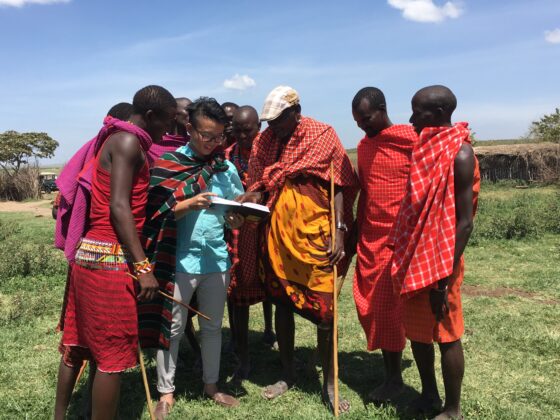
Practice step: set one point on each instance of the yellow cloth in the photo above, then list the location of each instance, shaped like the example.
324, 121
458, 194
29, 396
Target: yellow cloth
298, 240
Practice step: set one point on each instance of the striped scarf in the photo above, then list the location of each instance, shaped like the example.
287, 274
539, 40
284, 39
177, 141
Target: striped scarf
175, 177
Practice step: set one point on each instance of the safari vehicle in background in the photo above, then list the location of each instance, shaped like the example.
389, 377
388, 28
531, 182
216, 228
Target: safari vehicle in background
47, 182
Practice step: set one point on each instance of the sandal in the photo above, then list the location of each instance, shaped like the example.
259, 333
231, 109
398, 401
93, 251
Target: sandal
275, 390
223, 399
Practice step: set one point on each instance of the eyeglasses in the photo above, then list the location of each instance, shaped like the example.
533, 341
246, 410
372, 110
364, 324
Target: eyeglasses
207, 137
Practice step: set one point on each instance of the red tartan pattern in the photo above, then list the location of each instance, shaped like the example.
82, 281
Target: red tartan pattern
383, 168
245, 286
309, 152
424, 233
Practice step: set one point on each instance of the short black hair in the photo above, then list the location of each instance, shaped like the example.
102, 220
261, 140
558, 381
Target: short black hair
121, 111
208, 108
230, 104
155, 98
374, 96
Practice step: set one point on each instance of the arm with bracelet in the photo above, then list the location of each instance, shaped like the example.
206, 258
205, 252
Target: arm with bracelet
126, 160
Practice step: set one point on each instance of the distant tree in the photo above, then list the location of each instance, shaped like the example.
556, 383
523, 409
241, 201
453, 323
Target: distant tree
547, 128
16, 149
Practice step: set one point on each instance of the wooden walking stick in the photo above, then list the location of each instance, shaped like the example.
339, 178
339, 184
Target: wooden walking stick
335, 299
80, 373
145, 380
179, 302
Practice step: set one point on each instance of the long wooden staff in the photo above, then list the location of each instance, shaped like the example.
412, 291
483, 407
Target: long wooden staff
183, 304
335, 298
80, 373
146, 385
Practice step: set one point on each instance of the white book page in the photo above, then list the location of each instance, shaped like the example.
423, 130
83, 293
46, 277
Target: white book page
220, 200
256, 207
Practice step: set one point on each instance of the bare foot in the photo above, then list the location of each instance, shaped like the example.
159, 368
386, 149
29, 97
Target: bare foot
164, 406
269, 339
328, 400
425, 405
449, 414
387, 391
275, 390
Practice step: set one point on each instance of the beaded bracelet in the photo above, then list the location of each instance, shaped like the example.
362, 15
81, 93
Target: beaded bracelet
142, 267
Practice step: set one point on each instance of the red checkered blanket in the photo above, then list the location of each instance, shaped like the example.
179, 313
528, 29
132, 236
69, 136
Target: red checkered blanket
424, 234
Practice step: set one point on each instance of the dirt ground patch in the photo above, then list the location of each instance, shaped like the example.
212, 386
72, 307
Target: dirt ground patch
470, 290
40, 208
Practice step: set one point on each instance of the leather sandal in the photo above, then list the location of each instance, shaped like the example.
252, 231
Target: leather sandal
223, 399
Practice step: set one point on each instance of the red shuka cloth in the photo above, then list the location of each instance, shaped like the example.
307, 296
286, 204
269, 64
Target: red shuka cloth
308, 153
424, 233
244, 290
101, 314
383, 168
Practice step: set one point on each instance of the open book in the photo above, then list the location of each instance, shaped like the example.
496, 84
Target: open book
254, 211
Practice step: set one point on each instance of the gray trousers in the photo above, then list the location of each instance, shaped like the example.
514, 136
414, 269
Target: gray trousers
211, 292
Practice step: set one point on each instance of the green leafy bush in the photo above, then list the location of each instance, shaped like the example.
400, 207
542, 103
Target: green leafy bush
523, 215
19, 258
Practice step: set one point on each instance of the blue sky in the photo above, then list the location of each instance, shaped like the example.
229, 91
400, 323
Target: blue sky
65, 63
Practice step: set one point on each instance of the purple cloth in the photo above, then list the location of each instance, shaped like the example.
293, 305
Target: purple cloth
74, 184
169, 143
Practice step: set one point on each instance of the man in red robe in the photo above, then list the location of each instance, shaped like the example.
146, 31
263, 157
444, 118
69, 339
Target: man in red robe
383, 165
101, 315
431, 232
246, 288
289, 171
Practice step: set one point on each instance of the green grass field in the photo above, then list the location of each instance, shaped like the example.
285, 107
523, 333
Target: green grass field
512, 341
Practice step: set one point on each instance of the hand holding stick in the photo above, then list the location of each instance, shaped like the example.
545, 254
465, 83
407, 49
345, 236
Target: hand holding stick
183, 304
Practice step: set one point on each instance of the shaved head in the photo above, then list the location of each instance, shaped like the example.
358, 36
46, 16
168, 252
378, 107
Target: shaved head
437, 96
182, 117
432, 106
246, 113
245, 126
183, 101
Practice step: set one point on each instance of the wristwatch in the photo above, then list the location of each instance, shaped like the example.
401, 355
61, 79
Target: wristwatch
342, 226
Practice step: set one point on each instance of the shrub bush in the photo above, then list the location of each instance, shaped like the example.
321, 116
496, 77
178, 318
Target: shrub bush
524, 215
26, 259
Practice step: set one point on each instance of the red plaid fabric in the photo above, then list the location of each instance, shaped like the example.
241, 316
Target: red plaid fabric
383, 168
101, 317
309, 152
424, 233
245, 287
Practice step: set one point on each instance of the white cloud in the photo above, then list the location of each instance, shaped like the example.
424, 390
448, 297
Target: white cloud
239, 82
426, 11
21, 3
552, 36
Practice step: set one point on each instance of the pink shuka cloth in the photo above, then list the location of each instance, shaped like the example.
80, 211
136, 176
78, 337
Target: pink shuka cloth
169, 143
74, 184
